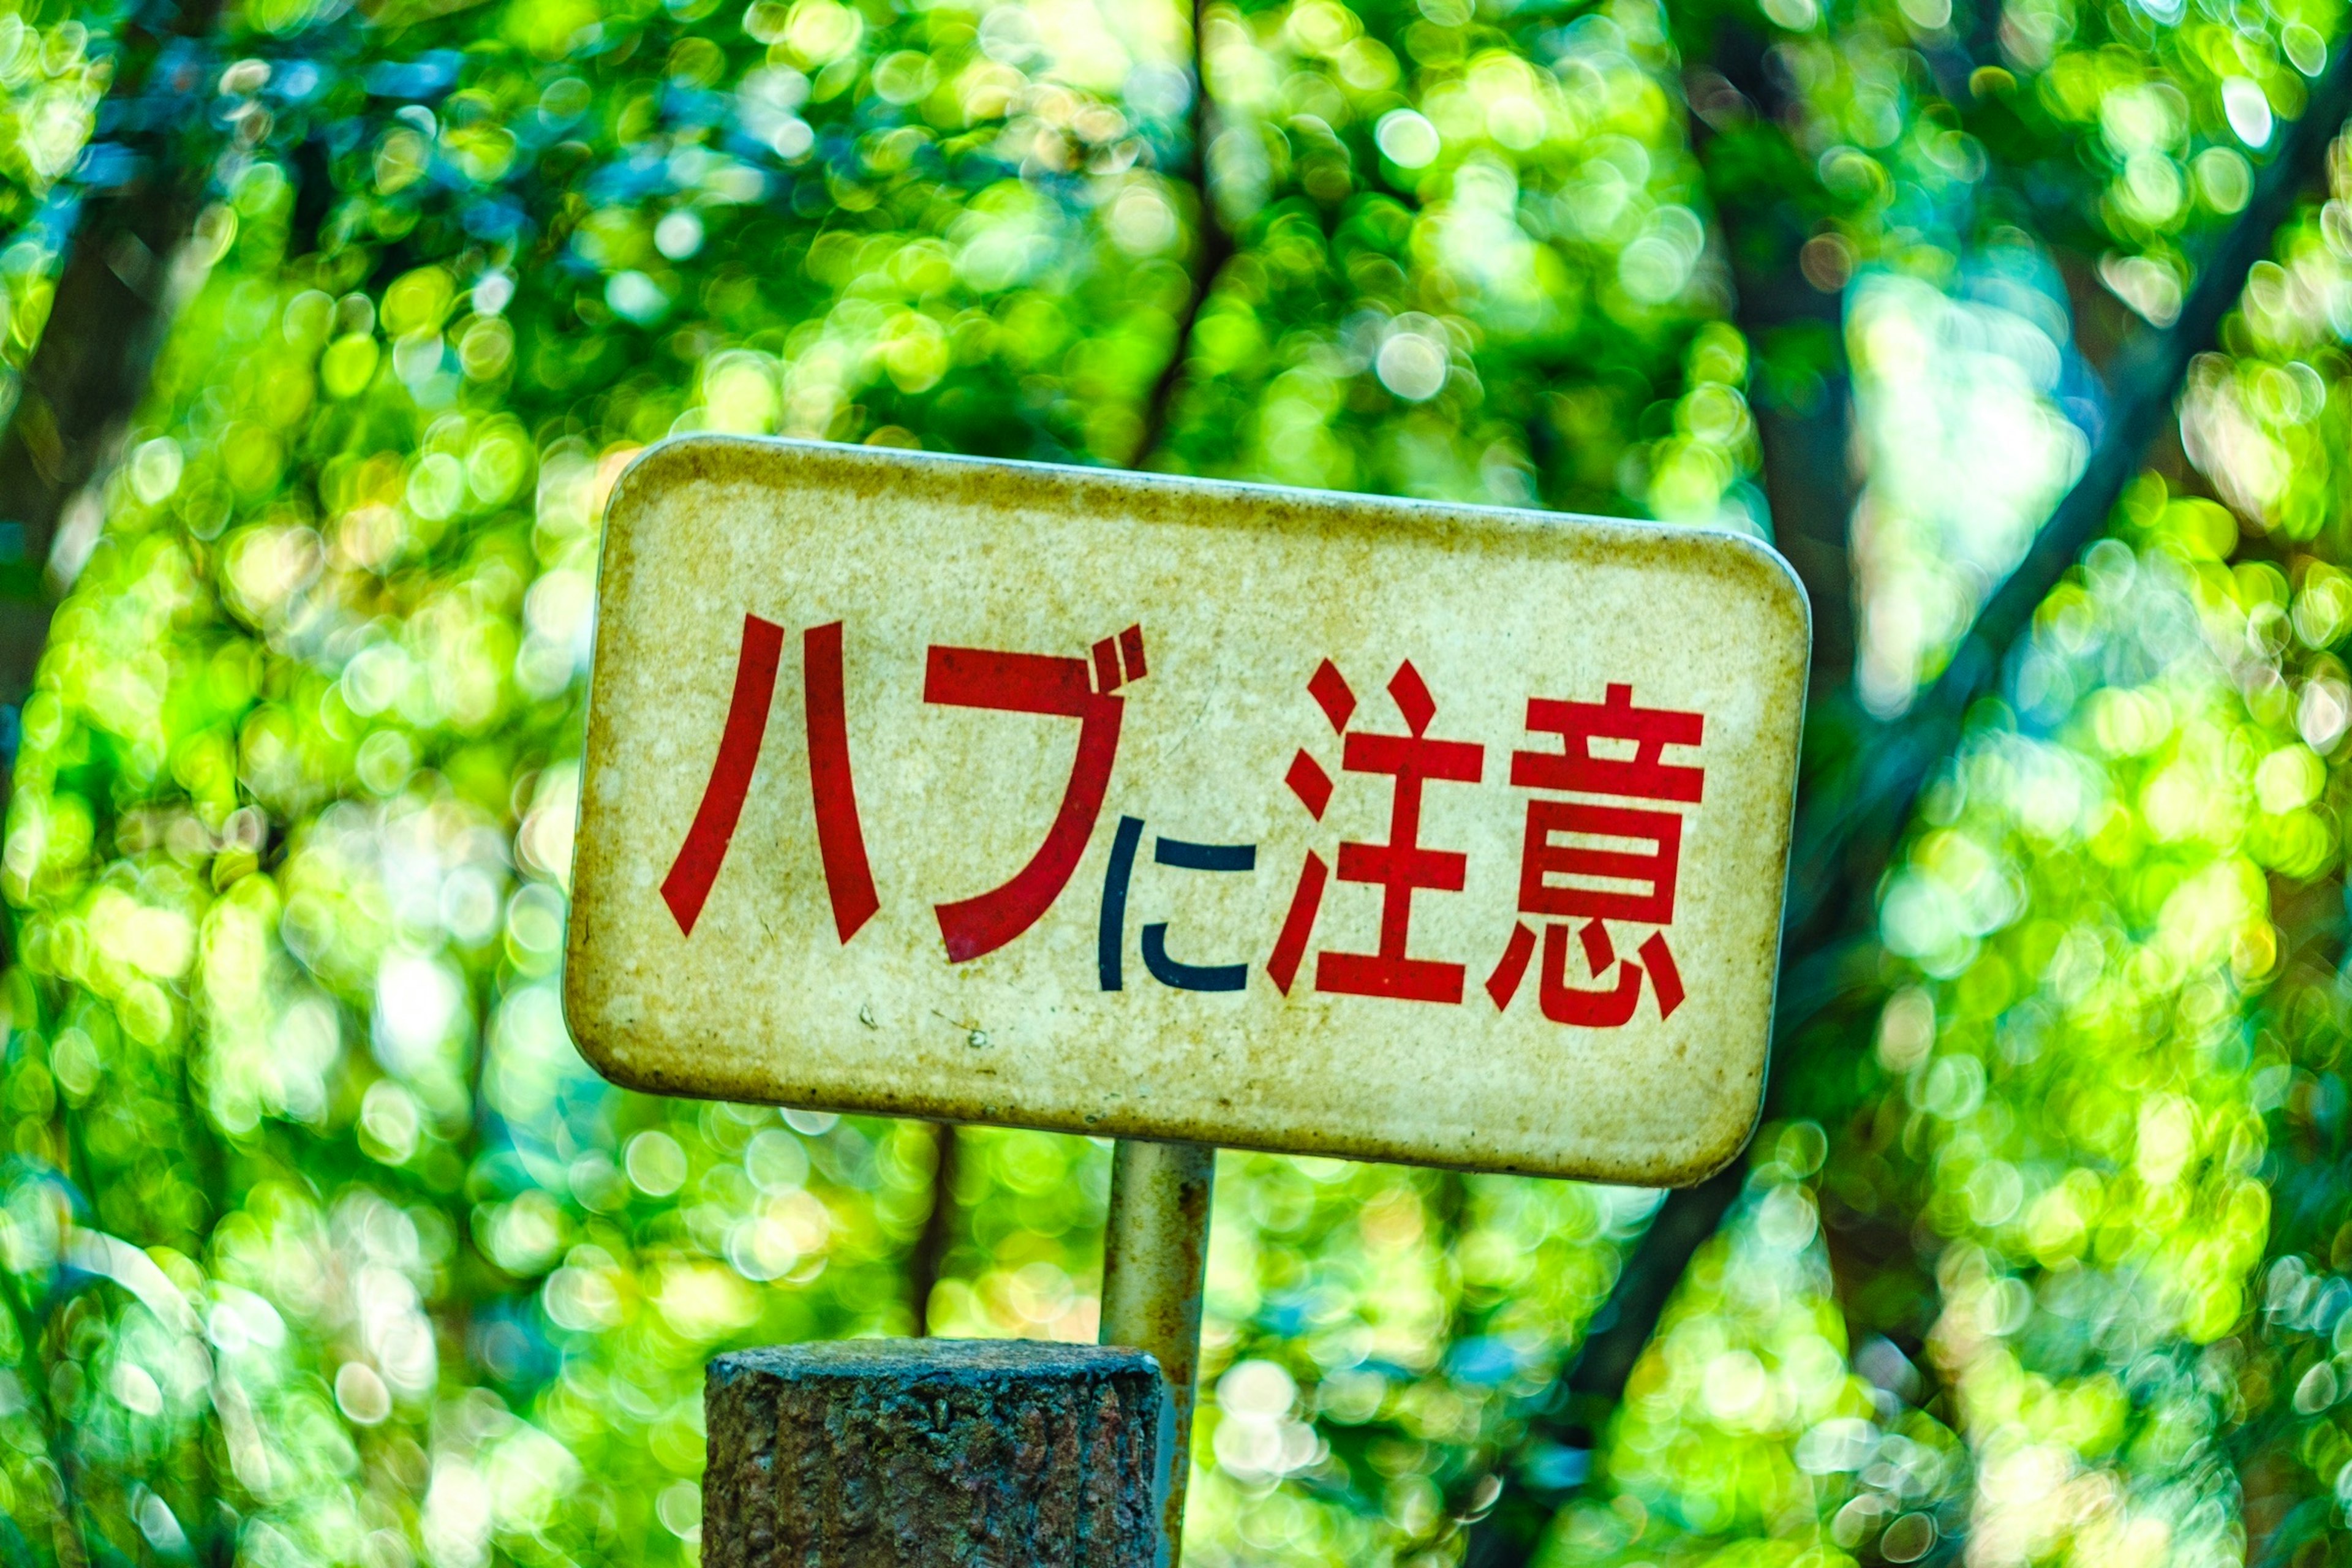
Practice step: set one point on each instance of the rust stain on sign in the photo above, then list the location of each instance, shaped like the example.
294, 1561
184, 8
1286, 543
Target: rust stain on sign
1111, 804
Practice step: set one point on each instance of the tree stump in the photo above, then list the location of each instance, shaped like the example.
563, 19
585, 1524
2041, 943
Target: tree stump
880, 1453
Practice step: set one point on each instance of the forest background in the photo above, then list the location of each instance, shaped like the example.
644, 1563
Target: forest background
2018, 327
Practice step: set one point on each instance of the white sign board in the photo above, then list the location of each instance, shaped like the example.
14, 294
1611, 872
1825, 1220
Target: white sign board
1131, 805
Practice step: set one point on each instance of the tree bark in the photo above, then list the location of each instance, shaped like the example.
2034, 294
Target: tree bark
920, 1453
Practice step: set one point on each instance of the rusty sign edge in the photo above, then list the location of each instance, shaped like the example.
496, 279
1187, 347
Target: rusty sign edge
706, 457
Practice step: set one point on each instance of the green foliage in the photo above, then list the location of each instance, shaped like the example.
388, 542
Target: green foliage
320, 1244
293, 808
1506, 239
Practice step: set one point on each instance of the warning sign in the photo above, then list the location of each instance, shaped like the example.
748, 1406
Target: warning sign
1130, 806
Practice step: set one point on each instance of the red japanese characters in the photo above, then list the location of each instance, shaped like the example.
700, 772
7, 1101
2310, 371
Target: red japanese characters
1399, 867
1566, 874
1601, 846
840, 840
1036, 683
1078, 688
1581, 861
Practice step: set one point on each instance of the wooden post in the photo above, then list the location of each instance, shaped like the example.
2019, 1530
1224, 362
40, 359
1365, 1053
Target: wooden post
913, 1452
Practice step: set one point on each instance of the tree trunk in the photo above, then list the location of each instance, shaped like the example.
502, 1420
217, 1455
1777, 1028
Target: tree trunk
923, 1453
108, 317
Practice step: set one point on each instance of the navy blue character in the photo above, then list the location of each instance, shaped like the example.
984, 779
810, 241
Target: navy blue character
1184, 856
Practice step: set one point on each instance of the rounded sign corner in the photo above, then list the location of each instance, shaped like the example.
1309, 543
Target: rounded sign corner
1711, 1157
1777, 577
588, 1019
646, 468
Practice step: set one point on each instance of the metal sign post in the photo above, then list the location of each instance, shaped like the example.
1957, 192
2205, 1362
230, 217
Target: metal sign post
1190, 814
1155, 1258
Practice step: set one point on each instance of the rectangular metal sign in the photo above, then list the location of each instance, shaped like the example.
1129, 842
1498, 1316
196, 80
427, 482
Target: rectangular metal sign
1124, 805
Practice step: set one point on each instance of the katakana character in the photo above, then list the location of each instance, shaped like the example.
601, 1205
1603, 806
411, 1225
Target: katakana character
699, 858
1578, 879
841, 843
1399, 867
1044, 684
1112, 939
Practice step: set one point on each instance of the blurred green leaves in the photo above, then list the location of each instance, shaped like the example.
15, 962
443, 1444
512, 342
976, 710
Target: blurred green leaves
320, 1243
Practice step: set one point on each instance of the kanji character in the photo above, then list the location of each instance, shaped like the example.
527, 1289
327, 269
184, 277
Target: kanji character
1184, 855
1051, 685
1639, 777
1399, 867
841, 843
1603, 1008
1578, 879
1312, 785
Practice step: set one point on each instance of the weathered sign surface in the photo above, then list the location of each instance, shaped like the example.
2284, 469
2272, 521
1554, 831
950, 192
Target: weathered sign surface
999, 793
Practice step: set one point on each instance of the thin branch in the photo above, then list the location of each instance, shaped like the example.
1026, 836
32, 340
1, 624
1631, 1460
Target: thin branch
930, 1252
1212, 246
1850, 817
1856, 827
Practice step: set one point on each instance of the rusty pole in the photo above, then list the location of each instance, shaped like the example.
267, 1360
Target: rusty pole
1155, 1253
